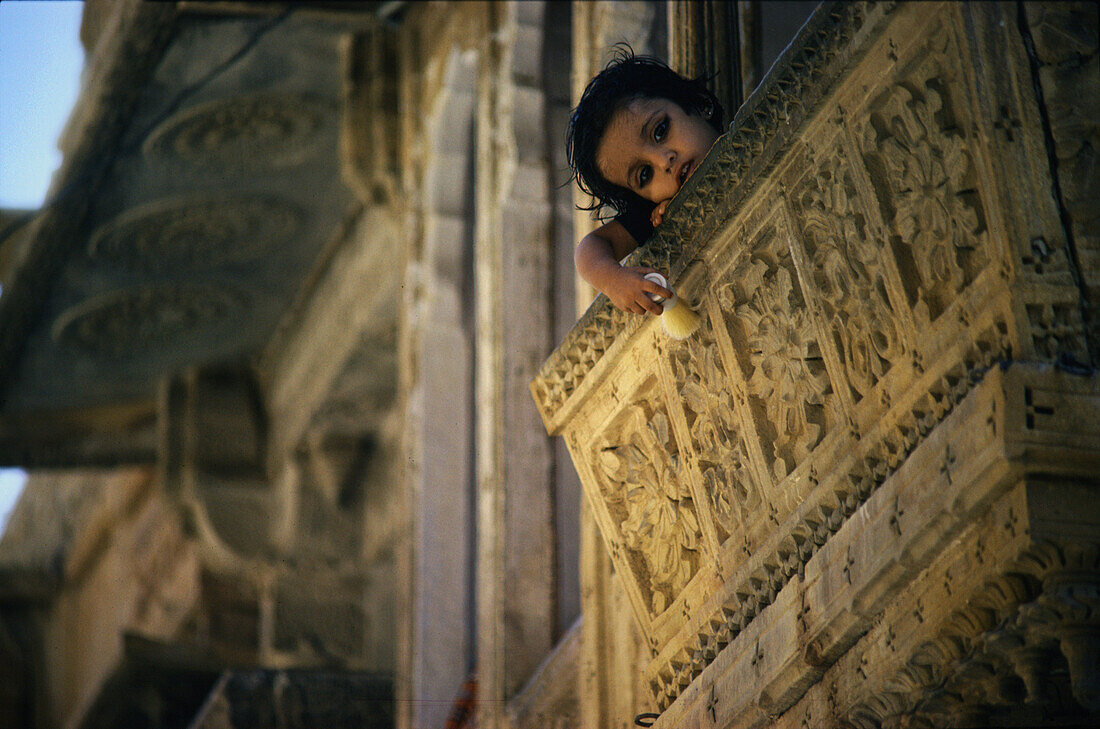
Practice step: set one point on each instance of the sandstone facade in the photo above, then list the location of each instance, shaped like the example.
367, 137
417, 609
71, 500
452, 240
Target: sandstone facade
269, 352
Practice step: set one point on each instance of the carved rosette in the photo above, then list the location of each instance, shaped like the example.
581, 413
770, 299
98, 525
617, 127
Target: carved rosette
121, 321
649, 500
194, 233
774, 333
263, 130
914, 146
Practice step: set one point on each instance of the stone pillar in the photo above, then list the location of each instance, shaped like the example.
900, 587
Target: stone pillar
704, 40
517, 578
436, 629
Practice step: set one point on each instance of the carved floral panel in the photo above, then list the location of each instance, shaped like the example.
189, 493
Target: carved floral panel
717, 444
914, 143
776, 343
639, 470
846, 266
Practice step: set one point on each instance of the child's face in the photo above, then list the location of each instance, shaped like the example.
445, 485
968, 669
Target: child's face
651, 146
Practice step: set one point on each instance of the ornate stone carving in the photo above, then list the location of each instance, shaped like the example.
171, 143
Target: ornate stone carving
165, 236
774, 333
650, 501
858, 286
595, 333
1056, 329
765, 119
269, 130
1000, 654
116, 322
719, 449
846, 266
914, 146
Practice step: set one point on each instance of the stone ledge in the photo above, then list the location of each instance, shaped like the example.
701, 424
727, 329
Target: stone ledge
883, 550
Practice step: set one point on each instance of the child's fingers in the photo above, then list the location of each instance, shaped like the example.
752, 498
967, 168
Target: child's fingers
658, 214
651, 306
653, 287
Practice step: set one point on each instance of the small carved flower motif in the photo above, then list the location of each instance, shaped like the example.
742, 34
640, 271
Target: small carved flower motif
928, 169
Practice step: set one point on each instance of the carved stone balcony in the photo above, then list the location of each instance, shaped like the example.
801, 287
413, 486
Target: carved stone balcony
866, 487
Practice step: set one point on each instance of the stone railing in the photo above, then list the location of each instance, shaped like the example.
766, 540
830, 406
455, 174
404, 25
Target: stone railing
876, 237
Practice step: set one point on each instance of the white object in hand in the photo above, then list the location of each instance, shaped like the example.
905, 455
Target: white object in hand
678, 320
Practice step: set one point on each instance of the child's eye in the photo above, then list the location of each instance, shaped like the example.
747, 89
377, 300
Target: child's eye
645, 175
660, 131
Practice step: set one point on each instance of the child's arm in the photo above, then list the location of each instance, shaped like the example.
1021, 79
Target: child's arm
597, 259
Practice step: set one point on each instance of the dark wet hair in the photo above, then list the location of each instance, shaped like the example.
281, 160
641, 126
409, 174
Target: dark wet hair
626, 78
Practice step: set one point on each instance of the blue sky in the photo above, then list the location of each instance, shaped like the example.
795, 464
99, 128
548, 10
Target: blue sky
40, 63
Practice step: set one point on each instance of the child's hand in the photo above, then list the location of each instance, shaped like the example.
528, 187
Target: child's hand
629, 290
658, 213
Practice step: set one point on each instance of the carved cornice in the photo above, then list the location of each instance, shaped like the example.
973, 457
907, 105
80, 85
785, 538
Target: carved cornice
1015, 641
132, 42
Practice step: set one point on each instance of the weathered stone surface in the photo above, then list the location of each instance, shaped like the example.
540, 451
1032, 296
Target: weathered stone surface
861, 495
90, 556
860, 248
1065, 38
549, 699
200, 153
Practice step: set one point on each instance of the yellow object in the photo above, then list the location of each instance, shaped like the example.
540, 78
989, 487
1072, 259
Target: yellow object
678, 320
